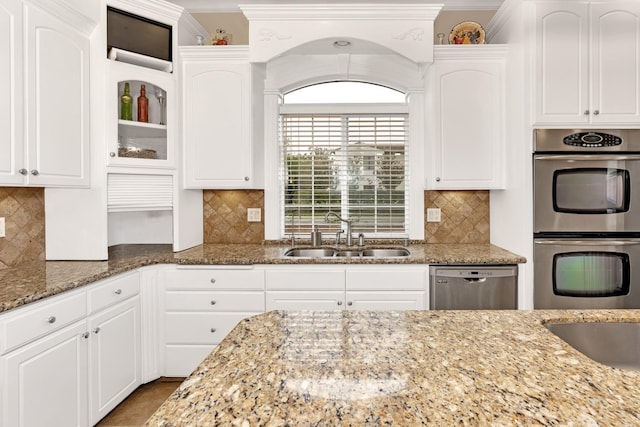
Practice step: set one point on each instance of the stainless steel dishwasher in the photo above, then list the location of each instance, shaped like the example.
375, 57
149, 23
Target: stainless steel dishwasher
473, 287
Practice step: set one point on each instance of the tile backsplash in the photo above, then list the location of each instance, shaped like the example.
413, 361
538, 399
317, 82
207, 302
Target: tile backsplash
464, 216
23, 211
225, 216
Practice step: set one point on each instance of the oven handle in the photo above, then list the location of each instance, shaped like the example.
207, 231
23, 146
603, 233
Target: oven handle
592, 157
598, 242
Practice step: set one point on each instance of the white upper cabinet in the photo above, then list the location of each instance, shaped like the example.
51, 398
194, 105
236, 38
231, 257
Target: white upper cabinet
587, 63
217, 117
466, 118
45, 117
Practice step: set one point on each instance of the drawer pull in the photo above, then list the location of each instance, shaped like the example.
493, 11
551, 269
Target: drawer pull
339, 302
96, 330
52, 319
213, 330
118, 291
213, 280
350, 303
85, 335
213, 302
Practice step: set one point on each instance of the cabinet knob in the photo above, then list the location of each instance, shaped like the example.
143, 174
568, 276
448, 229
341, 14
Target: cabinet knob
96, 330
213, 280
85, 335
118, 291
596, 112
52, 319
246, 178
437, 179
350, 303
339, 302
23, 171
35, 172
586, 112
213, 330
213, 302
112, 154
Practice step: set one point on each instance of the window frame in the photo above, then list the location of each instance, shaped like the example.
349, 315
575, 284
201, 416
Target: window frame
345, 109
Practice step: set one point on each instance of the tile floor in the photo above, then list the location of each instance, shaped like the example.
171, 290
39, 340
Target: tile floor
143, 402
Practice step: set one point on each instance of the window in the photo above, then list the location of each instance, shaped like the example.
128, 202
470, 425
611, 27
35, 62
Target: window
346, 158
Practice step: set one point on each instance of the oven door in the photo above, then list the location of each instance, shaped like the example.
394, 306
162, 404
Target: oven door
586, 193
590, 273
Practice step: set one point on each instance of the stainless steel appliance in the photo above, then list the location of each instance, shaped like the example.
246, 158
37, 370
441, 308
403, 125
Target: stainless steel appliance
586, 218
473, 287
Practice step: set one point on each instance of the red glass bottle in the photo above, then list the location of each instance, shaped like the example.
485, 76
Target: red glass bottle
143, 105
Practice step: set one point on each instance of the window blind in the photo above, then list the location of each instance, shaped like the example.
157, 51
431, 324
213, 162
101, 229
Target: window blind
351, 164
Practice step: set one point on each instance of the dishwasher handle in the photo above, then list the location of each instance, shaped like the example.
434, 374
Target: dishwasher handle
475, 279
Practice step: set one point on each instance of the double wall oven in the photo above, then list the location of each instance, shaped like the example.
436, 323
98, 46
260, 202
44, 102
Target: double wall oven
586, 218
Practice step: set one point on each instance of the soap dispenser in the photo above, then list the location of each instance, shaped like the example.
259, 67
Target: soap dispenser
316, 237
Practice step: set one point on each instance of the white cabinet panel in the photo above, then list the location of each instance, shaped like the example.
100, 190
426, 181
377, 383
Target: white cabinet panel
113, 291
45, 383
217, 112
401, 300
238, 278
468, 120
305, 278
214, 301
390, 278
115, 358
57, 130
200, 328
12, 89
587, 63
305, 300
181, 360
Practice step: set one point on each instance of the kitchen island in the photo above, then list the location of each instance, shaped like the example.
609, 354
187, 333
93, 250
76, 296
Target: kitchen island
404, 368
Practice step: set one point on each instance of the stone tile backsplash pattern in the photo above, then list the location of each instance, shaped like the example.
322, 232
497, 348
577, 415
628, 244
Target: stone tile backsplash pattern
464, 217
23, 210
225, 216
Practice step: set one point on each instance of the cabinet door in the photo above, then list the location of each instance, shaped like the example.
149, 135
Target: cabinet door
11, 92
217, 124
305, 300
469, 101
401, 300
562, 63
615, 62
132, 142
114, 354
45, 383
57, 101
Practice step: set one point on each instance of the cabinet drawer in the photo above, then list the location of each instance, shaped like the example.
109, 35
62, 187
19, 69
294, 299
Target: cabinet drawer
200, 328
305, 279
214, 301
113, 291
214, 279
41, 319
392, 279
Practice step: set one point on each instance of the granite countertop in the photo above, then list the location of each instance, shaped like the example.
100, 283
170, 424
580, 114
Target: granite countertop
23, 285
404, 368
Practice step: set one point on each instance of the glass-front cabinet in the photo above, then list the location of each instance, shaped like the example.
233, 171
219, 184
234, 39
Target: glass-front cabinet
140, 116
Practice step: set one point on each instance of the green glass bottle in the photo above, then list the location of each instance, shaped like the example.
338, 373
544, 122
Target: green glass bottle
126, 104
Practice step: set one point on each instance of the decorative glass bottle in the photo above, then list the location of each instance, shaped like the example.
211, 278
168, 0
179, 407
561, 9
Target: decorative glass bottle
143, 105
126, 101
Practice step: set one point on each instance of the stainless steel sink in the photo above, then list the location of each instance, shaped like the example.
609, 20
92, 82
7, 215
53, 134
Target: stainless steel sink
386, 252
310, 252
614, 344
364, 253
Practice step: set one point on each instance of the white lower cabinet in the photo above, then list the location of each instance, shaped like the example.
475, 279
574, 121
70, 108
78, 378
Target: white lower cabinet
45, 382
115, 361
201, 305
346, 287
68, 360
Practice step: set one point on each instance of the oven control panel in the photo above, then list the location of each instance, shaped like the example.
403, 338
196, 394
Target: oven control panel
592, 139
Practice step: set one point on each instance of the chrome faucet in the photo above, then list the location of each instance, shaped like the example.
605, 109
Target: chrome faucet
348, 221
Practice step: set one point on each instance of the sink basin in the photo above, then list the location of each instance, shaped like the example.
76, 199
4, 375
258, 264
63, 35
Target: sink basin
329, 252
386, 252
614, 344
310, 252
